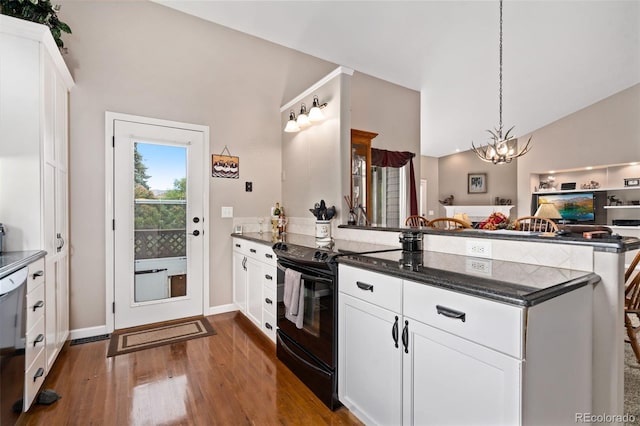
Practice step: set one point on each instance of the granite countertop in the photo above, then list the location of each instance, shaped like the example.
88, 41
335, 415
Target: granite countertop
509, 282
613, 243
514, 283
310, 241
11, 261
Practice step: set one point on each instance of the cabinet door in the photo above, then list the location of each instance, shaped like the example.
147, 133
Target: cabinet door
449, 380
240, 281
369, 363
255, 277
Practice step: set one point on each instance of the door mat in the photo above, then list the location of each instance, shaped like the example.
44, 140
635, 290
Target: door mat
135, 339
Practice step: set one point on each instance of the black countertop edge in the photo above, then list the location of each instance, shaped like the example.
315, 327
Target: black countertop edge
459, 282
265, 238
626, 243
11, 261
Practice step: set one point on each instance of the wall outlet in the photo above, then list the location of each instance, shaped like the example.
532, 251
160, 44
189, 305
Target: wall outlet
479, 248
431, 213
226, 212
478, 266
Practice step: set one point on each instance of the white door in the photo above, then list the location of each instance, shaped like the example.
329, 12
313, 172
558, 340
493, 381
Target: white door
158, 193
448, 380
370, 379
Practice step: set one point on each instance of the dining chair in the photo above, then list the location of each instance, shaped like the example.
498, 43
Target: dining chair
416, 220
632, 267
631, 309
448, 223
535, 223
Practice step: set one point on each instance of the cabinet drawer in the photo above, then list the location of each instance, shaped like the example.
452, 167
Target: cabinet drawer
269, 325
267, 255
269, 277
492, 324
241, 246
34, 341
269, 301
34, 377
379, 289
36, 274
35, 306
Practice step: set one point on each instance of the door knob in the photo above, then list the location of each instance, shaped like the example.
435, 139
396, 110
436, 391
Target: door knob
196, 219
196, 233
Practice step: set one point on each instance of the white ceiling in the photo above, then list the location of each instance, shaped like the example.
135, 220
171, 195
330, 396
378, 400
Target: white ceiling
559, 56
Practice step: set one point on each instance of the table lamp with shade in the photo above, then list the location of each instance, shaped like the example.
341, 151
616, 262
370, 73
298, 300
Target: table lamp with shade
548, 211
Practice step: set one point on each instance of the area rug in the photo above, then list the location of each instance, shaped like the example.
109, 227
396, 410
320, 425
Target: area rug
139, 338
631, 385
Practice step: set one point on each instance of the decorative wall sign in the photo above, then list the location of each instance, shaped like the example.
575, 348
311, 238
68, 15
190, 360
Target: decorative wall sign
225, 166
476, 183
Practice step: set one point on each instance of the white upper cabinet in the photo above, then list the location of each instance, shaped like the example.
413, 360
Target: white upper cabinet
34, 99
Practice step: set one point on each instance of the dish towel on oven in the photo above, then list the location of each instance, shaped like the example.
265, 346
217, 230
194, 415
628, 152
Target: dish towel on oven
293, 297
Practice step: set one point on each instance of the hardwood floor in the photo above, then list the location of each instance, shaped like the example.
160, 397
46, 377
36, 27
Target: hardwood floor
231, 378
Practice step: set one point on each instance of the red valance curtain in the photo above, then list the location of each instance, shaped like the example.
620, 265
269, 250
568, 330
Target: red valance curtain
384, 158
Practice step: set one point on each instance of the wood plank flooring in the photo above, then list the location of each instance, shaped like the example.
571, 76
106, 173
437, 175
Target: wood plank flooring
231, 378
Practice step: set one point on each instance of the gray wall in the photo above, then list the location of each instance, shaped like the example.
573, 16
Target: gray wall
145, 59
607, 132
452, 179
311, 162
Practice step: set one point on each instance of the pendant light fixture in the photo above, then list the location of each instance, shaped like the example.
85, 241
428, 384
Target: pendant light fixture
292, 125
502, 149
303, 118
315, 114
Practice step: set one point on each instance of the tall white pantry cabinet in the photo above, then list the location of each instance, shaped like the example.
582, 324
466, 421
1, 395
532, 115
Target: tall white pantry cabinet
34, 93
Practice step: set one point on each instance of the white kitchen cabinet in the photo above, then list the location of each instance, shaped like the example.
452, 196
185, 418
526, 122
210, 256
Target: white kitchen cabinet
460, 359
34, 87
449, 380
35, 360
240, 281
369, 342
370, 375
254, 291
254, 286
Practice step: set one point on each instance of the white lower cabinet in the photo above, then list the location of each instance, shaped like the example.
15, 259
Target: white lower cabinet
414, 354
370, 364
254, 283
449, 380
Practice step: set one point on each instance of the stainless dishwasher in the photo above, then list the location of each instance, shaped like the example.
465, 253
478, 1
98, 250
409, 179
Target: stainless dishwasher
12, 345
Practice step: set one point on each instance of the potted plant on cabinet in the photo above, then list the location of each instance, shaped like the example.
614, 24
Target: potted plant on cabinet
39, 11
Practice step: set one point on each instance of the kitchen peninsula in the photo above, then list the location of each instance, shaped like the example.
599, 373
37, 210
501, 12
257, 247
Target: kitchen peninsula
539, 259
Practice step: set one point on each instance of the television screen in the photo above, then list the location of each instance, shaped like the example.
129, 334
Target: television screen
574, 207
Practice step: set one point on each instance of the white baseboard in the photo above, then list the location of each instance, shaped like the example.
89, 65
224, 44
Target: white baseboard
221, 309
81, 333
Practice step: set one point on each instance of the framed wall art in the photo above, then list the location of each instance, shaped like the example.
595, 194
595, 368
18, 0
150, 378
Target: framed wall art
225, 166
476, 183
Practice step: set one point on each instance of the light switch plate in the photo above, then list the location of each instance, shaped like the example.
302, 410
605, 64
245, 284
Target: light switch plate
226, 212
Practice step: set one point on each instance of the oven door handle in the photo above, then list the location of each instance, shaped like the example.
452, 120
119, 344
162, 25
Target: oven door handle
304, 361
308, 277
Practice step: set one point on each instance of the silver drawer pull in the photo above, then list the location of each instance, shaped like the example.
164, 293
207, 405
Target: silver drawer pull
364, 286
451, 313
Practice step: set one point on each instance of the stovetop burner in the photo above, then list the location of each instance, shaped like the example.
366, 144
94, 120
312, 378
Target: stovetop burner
306, 251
